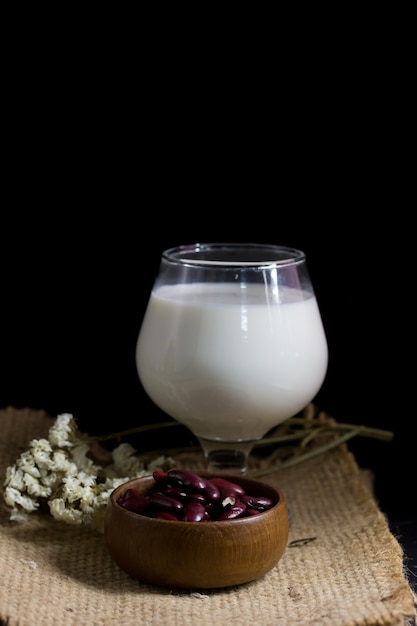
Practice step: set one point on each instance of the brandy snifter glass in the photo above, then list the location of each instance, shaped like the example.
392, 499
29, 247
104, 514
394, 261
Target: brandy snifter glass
231, 344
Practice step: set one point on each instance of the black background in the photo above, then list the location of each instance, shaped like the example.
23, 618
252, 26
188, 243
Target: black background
107, 163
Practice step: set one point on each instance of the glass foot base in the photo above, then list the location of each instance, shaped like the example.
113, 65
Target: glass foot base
226, 457
226, 460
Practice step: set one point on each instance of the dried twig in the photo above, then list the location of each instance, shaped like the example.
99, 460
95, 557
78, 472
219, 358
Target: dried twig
310, 430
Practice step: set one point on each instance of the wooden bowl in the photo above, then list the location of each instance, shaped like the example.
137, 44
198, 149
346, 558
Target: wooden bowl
206, 554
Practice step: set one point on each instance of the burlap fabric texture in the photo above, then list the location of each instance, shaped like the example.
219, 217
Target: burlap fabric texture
342, 566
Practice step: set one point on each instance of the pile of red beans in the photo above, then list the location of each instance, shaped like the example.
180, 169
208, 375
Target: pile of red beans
181, 495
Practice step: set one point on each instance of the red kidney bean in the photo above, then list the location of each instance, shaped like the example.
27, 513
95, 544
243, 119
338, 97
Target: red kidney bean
134, 501
211, 506
160, 476
175, 492
233, 511
165, 515
261, 503
222, 482
183, 496
165, 503
249, 512
193, 512
228, 496
211, 491
187, 479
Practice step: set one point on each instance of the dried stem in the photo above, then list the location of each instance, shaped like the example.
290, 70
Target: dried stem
131, 431
301, 429
306, 456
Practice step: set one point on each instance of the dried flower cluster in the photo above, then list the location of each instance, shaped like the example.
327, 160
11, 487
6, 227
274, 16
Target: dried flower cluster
61, 472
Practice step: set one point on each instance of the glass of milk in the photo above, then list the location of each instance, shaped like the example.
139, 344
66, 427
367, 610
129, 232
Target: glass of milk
231, 344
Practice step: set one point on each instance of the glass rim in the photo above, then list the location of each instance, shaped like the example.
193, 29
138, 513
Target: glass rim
269, 255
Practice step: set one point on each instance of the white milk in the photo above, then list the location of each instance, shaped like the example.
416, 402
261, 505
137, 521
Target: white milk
230, 371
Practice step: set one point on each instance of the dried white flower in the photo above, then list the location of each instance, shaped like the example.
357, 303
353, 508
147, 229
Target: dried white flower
41, 451
78, 487
82, 460
18, 515
16, 499
14, 478
35, 488
64, 431
61, 461
125, 462
162, 462
27, 464
59, 511
60, 471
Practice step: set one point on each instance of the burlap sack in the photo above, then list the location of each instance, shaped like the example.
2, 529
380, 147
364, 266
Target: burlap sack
342, 566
